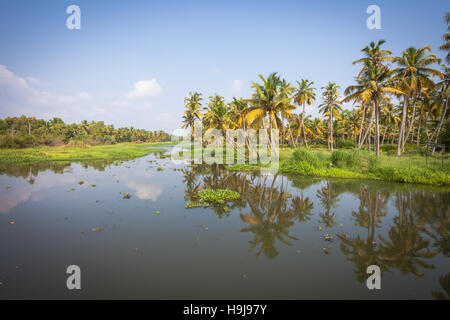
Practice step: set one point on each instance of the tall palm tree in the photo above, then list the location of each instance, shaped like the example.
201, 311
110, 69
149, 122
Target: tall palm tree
446, 45
374, 54
304, 95
269, 98
193, 110
217, 115
440, 101
414, 73
373, 86
238, 108
331, 108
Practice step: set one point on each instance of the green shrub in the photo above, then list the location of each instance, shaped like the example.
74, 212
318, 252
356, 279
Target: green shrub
345, 144
302, 155
349, 159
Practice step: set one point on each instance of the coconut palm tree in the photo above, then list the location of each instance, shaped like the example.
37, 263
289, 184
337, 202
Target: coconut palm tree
446, 45
269, 99
441, 102
414, 72
330, 107
374, 86
375, 55
217, 115
193, 110
304, 95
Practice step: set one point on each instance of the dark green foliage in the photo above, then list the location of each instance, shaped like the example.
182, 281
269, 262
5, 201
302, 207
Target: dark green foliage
345, 159
302, 155
25, 132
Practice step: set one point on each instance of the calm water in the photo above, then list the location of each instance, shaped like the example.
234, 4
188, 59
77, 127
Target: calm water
268, 245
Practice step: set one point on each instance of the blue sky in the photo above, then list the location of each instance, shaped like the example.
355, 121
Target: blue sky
133, 62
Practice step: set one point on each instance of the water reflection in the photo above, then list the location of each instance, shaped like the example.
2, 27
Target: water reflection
405, 227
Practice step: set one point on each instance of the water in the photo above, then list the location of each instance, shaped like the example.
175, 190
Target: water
267, 245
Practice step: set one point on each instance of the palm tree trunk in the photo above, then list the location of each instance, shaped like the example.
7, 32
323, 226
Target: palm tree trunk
402, 127
304, 137
418, 133
367, 130
331, 130
303, 119
384, 134
377, 130
411, 124
439, 127
362, 124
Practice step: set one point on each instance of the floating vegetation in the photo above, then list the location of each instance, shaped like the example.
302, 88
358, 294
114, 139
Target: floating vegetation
205, 198
73, 189
126, 196
329, 238
157, 212
194, 205
12, 223
325, 250
8, 187
81, 183
97, 229
160, 169
94, 185
218, 196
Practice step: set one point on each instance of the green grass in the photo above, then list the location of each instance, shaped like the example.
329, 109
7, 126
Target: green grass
412, 167
123, 151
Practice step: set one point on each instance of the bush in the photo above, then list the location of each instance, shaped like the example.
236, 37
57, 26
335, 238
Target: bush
345, 144
302, 155
342, 159
17, 142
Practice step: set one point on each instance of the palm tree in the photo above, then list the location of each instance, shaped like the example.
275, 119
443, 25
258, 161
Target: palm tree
373, 86
238, 108
446, 45
414, 74
193, 110
441, 101
304, 95
217, 115
270, 97
331, 108
375, 55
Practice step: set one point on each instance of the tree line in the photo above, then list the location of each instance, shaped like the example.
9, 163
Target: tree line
23, 132
396, 100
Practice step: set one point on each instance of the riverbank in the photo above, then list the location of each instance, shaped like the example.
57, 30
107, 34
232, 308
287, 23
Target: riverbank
122, 151
412, 167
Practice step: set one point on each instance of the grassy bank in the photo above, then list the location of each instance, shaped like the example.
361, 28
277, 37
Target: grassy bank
410, 168
123, 151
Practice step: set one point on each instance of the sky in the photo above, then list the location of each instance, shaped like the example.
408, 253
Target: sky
133, 62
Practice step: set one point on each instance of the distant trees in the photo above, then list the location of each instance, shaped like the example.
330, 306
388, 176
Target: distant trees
23, 132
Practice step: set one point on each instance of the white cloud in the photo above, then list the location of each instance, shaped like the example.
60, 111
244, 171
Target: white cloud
83, 95
145, 89
237, 86
146, 191
23, 95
